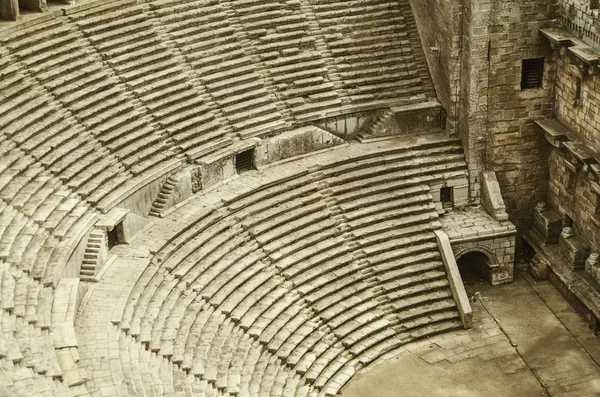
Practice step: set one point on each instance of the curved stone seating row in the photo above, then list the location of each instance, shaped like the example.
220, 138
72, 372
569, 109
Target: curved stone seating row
115, 98
79, 163
29, 362
133, 49
23, 381
95, 104
281, 37
287, 268
374, 48
215, 47
89, 107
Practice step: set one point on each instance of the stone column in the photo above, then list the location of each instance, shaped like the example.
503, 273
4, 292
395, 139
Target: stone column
34, 5
9, 9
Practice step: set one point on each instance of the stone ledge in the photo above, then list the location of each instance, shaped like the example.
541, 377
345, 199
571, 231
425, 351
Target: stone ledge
561, 38
111, 219
64, 308
562, 137
456, 285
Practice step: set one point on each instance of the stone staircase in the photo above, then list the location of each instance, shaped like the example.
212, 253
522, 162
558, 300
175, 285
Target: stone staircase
165, 194
418, 117
379, 126
91, 256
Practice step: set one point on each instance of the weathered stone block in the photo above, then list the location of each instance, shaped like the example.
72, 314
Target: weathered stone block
294, 143
548, 224
573, 250
491, 196
538, 268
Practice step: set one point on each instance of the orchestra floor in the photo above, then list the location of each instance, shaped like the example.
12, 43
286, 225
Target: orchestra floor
527, 341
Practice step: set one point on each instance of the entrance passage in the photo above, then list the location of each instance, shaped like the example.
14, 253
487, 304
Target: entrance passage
473, 267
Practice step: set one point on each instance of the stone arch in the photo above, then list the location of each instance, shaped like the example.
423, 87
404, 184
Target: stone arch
490, 254
475, 263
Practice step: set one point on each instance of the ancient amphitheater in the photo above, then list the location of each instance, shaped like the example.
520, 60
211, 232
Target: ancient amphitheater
274, 197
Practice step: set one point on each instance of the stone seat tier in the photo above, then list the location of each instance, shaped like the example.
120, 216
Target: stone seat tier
374, 332
295, 280
165, 307
167, 94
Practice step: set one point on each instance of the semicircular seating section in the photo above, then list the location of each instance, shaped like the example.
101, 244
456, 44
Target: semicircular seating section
103, 99
290, 288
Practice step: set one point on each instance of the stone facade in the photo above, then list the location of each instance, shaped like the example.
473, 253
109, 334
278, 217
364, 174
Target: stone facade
440, 35
579, 111
500, 128
582, 19
579, 201
471, 50
573, 189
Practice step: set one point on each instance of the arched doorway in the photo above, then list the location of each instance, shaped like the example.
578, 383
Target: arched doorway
474, 267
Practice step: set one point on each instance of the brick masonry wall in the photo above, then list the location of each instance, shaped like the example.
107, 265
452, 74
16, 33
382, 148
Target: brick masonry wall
579, 204
581, 116
499, 131
581, 19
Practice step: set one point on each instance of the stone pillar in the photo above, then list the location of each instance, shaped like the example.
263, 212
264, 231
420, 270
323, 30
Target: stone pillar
573, 249
547, 223
34, 5
592, 265
9, 9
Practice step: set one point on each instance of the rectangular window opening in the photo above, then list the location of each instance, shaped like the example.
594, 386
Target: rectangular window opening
113, 236
532, 73
594, 4
446, 197
244, 161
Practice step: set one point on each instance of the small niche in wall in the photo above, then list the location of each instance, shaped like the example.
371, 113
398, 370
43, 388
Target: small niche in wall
594, 4
446, 197
115, 235
577, 99
571, 180
567, 221
244, 161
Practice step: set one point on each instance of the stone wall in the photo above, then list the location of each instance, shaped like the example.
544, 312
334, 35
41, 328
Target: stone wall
581, 116
496, 115
580, 19
579, 203
439, 24
9, 9
500, 252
